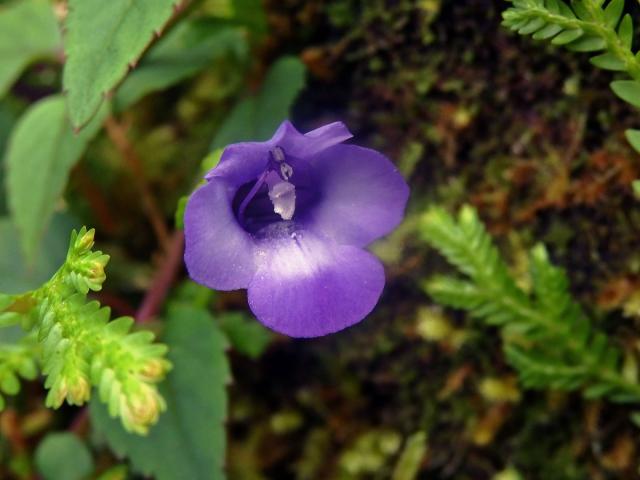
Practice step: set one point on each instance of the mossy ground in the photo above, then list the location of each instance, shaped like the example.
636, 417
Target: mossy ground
533, 137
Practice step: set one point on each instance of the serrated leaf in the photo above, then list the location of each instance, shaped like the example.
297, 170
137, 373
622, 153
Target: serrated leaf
183, 52
28, 32
41, 152
63, 456
627, 90
256, 118
189, 439
608, 61
102, 40
247, 335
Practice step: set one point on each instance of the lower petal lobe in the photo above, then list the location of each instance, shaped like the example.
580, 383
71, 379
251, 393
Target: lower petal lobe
307, 286
218, 252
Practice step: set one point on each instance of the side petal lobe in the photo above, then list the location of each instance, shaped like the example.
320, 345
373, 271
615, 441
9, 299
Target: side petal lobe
218, 252
363, 195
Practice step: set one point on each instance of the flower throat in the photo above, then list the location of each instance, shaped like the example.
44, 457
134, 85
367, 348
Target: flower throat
281, 192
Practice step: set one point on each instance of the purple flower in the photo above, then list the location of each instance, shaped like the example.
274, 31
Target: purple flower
288, 219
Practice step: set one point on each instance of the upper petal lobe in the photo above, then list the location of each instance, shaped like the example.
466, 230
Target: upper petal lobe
243, 162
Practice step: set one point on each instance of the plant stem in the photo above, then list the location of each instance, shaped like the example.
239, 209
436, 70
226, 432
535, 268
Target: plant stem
163, 279
118, 136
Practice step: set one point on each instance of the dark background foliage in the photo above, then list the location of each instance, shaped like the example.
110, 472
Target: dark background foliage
528, 133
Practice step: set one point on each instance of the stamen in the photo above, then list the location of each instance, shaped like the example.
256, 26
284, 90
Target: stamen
283, 197
252, 193
278, 154
286, 171
282, 193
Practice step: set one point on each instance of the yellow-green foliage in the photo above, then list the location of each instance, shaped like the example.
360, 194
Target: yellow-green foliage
78, 347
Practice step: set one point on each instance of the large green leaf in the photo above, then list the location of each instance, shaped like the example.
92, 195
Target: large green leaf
28, 32
186, 50
257, 117
41, 151
103, 39
7, 120
189, 440
63, 456
16, 275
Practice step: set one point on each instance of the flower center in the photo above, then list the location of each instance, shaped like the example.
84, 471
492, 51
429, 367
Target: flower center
281, 192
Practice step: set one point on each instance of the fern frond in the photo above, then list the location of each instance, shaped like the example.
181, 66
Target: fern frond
548, 338
17, 360
80, 348
586, 26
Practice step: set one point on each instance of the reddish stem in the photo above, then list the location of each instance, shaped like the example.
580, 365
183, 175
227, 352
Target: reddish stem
118, 136
163, 280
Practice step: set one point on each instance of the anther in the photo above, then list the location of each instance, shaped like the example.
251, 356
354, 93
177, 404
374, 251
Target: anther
286, 171
278, 154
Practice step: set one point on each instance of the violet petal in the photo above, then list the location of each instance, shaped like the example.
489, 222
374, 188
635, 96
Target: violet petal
298, 145
218, 252
309, 287
363, 195
243, 162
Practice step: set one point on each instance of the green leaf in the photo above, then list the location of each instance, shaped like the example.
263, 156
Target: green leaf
635, 185
547, 32
187, 49
625, 31
627, 90
531, 26
42, 150
582, 12
16, 275
257, 118
409, 462
239, 126
8, 118
250, 13
28, 32
613, 12
189, 439
608, 61
103, 39
246, 335
633, 137
567, 36
587, 44
63, 456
